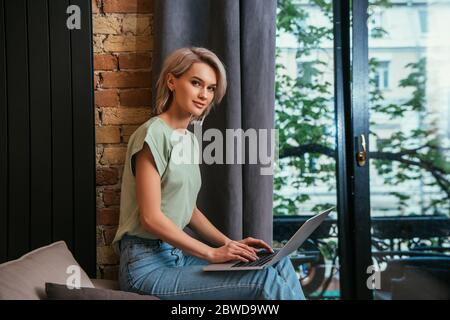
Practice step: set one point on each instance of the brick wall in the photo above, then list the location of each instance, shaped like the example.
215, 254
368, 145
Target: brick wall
123, 43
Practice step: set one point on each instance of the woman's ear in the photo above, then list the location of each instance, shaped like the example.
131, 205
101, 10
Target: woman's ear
170, 81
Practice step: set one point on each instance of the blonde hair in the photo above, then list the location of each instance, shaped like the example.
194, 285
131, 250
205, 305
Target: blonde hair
179, 62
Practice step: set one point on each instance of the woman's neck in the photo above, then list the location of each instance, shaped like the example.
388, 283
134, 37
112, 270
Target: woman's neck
176, 118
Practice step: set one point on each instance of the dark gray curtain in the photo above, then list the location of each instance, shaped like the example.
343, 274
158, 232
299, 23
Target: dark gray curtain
236, 198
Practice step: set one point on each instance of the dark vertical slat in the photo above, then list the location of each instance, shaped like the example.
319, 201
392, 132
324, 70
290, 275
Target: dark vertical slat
344, 172
3, 142
360, 119
18, 128
352, 120
61, 102
83, 141
40, 124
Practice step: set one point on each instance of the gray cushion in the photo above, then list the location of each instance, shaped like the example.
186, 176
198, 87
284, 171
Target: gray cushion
62, 292
25, 277
105, 284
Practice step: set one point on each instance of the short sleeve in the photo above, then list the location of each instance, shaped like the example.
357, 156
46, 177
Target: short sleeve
159, 145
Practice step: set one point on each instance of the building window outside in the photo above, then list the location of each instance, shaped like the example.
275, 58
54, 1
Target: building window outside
382, 75
423, 21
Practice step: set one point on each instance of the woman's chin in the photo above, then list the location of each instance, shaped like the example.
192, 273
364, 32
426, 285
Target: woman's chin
197, 112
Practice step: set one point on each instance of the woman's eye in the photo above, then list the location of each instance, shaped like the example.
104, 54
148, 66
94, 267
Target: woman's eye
195, 83
211, 89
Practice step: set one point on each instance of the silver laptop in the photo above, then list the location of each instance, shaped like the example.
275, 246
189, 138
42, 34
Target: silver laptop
267, 259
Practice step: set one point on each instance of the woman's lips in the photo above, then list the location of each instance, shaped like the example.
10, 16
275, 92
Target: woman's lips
199, 105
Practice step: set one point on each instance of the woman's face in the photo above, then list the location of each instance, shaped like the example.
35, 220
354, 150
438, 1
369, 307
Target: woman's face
194, 91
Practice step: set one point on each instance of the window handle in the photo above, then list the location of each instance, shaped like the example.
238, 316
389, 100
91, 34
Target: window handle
362, 153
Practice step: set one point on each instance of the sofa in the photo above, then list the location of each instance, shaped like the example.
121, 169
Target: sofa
51, 272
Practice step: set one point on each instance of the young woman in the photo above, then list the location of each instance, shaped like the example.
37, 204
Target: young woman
158, 201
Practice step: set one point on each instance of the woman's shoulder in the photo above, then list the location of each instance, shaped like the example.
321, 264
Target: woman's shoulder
153, 127
155, 133
157, 138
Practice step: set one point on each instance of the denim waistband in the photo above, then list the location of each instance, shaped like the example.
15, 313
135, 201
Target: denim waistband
134, 239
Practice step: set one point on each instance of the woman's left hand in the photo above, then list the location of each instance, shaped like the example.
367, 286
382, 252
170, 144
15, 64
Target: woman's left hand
255, 243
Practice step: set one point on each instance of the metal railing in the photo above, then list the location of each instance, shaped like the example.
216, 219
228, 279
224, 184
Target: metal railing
392, 237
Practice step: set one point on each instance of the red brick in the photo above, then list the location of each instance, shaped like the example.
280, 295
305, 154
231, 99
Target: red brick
126, 79
97, 117
99, 237
111, 197
135, 97
109, 234
95, 8
119, 116
135, 61
128, 6
105, 62
106, 255
128, 43
113, 155
127, 131
107, 134
108, 272
106, 98
107, 176
96, 81
108, 212
108, 216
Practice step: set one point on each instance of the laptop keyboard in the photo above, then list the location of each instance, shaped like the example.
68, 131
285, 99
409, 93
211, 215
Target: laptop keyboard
264, 257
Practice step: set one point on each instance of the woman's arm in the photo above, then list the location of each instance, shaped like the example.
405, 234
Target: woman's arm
148, 196
206, 229
210, 233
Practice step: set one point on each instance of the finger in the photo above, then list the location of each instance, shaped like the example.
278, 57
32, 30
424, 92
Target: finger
265, 245
255, 250
237, 247
258, 243
238, 257
241, 245
250, 256
244, 246
251, 250
246, 255
248, 241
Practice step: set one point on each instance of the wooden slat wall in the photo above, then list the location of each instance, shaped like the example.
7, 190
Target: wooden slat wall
47, 133
60, 57
17, 92
84, 139
4, 195
40, 124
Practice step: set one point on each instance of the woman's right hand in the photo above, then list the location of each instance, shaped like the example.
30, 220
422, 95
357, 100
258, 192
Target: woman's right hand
233, 250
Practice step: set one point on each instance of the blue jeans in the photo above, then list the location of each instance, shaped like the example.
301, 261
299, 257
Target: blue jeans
157, 268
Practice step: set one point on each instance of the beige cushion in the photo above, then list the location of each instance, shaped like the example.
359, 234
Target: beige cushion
25, 277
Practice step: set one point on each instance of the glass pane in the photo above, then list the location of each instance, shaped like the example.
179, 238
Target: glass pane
305, 182
409, 50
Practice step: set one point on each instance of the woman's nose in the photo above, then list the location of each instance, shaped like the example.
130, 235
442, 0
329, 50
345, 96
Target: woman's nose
203, 93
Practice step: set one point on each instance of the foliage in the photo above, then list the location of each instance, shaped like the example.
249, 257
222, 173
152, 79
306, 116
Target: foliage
304, 115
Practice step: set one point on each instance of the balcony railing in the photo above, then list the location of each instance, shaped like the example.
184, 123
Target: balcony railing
392, 238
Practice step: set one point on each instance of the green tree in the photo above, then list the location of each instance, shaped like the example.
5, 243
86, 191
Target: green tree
304, 116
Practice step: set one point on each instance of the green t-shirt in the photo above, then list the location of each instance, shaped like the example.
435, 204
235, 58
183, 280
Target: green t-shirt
176, 157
